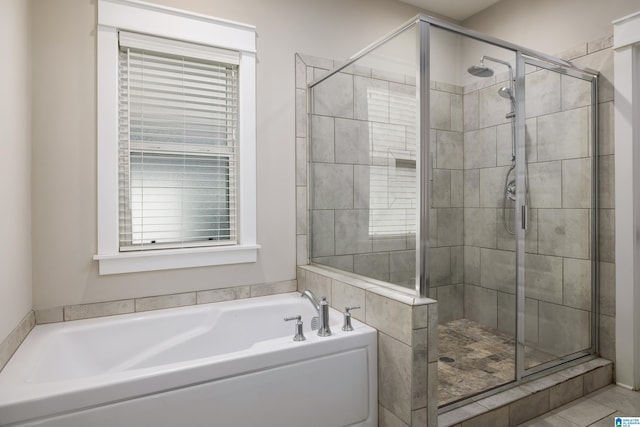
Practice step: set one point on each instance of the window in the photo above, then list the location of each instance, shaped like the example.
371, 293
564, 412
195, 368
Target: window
176, 150
392, 174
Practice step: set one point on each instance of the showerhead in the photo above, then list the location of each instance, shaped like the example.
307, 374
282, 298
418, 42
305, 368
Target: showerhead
480, 70
505, 92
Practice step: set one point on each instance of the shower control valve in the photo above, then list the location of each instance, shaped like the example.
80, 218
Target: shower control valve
347, 318
299, 335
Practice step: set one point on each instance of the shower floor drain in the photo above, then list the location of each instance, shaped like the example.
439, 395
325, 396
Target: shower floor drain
446, 359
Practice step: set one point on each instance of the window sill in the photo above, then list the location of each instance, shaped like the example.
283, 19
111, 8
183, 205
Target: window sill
131, 262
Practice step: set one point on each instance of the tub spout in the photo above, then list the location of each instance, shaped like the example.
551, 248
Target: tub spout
322, 308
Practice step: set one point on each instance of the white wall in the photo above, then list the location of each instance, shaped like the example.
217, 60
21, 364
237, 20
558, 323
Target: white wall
64, 139
550, 26
15, 164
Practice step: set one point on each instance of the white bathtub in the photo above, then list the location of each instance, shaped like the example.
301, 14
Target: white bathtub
227, 364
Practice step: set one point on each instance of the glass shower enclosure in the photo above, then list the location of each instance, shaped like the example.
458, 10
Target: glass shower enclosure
456, 166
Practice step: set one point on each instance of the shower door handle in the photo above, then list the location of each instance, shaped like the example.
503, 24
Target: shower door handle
524, 217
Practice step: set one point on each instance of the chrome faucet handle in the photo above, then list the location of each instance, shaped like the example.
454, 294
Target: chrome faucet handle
346, 326
299, 335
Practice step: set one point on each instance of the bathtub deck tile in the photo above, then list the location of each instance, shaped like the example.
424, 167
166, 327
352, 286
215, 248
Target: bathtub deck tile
99, 309
165, 301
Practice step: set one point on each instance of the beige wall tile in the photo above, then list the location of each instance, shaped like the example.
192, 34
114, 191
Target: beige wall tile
492, 108
333, 188
11, 343
492, 186
563, 330
386, 418
566, 392
165, 301
576, 183
577, 283
374, 265
334, 96
273, 288
480, 148
302, 212
481, 305
449, 150
495, 418
363, 90
606, 181
301, 161
497, 270
607, 332
472, 272
573, 125
394, 376
323, 232
470, 104
564, 232
322, 147
352, 142
543, 277
388, 316
472, 188
450, 226
110, 308
528, 408
545, 184
51, 315
607, 235
480, 227
543, 93
344, 295
441, 188
352, 232
598, 378
302, 249
420, 368
607, 288
226, 294
450, 302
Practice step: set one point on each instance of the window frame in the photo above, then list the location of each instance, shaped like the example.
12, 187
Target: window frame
145, 18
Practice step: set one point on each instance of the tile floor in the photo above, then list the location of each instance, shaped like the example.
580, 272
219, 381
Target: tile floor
597, 409
475, 358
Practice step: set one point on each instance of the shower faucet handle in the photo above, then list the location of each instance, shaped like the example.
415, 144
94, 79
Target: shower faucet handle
346, 326
299, 335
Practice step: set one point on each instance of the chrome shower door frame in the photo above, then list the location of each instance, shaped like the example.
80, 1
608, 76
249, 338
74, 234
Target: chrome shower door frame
522, 217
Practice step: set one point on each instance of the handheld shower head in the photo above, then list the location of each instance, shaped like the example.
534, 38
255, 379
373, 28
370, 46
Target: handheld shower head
505, 92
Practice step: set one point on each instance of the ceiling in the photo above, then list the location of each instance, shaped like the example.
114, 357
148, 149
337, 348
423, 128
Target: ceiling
458, 10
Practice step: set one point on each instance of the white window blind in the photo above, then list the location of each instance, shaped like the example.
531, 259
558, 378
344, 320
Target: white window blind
178, 118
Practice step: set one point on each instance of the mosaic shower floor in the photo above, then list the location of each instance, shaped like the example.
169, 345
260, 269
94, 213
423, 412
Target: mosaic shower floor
475, 358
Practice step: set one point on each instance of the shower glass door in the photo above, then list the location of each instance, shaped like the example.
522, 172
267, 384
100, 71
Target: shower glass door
559, 193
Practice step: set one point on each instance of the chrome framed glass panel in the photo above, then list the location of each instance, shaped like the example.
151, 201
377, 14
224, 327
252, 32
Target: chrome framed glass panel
558, 305
363, 163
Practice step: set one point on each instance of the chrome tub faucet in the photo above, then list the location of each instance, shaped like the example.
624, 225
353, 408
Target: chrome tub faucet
322, 308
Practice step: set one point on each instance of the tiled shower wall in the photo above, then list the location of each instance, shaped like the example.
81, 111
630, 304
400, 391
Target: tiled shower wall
557, 260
